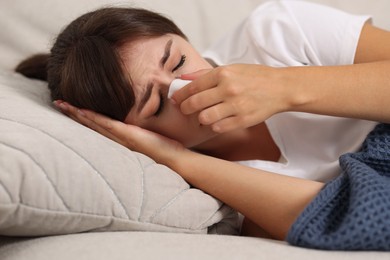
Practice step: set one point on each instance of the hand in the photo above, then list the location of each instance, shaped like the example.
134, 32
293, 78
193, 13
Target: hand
130, 136
232, 97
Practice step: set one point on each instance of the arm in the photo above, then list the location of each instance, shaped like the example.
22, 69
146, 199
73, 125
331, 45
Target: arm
270, 200
243, 95
361, 90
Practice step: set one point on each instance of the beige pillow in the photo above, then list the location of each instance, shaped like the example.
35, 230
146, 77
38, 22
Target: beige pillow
59, 177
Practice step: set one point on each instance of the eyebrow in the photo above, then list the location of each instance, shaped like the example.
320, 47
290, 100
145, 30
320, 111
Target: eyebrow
167, 53
145, 97
149, 87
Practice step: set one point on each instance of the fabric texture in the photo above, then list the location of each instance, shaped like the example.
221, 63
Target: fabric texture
164, 246
352, 212
29, 27
290, 33
59, 177
297, 39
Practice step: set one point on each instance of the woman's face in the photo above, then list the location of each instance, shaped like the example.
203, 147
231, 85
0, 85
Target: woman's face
152, 63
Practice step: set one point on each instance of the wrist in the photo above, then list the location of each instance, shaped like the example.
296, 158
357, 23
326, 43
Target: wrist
180, 160
295, 94
191, 166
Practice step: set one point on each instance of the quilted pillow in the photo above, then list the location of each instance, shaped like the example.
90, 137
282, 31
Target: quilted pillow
59, 177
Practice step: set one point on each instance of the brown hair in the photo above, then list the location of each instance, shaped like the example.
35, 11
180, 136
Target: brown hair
84, 67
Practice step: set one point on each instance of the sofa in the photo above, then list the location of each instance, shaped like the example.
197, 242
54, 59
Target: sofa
67, 192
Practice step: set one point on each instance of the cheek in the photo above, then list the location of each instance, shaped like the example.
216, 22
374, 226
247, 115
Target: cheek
174, 125
171, 123
184, 129
197, 63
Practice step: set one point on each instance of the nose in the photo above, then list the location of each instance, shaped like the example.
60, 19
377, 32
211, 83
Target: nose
170, 84
175, 85
163, 81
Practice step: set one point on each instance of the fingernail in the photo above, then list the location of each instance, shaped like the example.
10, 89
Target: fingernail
81, 112
62, 106
173, 102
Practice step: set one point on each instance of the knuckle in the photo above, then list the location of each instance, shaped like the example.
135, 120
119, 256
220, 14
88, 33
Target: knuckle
93, 117
232, 90
240, 105
223, 72
91, 125
204, 118
192, 89
192, 103
210, 116
109, 125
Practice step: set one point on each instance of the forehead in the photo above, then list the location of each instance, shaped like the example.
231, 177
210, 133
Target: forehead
139, 51
140, 57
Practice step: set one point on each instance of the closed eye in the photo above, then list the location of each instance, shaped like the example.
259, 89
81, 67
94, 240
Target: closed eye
160, 106
181, 63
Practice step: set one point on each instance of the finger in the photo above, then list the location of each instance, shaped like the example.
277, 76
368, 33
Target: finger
227, 125
201, 100
102, 124
81, 117
194, 75
216, 113
233, 123
67, 109
201, 83
131, 136
87, 117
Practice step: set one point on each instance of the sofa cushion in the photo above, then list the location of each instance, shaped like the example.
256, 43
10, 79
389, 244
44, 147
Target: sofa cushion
152, 245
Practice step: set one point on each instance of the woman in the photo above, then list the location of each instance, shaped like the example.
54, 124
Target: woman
120, 62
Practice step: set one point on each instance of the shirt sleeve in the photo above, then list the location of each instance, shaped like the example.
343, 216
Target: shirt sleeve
331, 34
291, 33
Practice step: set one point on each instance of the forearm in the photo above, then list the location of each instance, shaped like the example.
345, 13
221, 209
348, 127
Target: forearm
270, 200
356, 91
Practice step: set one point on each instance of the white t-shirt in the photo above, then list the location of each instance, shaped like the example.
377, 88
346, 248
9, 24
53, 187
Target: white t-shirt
296, 33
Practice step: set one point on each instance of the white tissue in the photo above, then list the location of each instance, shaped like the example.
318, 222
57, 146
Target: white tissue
177, 84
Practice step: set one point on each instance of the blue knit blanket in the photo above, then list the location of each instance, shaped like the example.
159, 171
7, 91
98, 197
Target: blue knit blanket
352, 212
